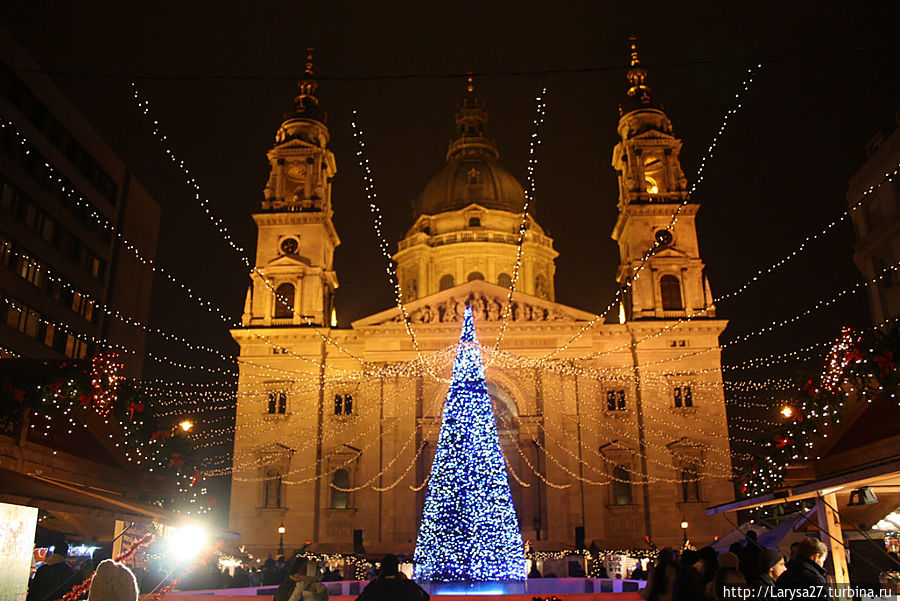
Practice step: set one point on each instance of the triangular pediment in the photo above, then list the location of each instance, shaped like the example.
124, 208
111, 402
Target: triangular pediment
670, 253
487, 301
291, 261
295, 143
653, 134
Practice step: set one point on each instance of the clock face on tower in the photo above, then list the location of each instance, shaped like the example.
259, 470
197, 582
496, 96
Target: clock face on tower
663, 237
289, 246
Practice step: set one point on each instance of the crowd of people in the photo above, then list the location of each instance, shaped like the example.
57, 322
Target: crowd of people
299, 580
745, 571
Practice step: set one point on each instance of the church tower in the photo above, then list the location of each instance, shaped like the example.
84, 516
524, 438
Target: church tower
467, 221
294, 280
652, 187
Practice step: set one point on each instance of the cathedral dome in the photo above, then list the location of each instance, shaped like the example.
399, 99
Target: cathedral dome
466, 180
472, 174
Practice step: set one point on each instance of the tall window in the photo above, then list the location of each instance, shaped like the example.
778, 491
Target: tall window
670, 292
284, 301
343, 404
683, 396
272, 489
446, 282
278, 401
340, 499
690, 485
615, 400
622, 486
474, 222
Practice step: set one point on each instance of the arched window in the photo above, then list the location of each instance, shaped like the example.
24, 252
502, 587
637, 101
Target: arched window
670, 291
340, 499
474, 222
505, 280
272, 489
446, 282
622, 486
284, 301
476, 275
690, 485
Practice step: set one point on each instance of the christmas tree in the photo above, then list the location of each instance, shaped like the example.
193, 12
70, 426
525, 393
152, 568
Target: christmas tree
469, 529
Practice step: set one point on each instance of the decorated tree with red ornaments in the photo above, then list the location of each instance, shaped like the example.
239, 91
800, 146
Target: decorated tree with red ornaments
858, 369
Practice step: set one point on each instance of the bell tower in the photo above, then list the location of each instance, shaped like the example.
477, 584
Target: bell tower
652, 187
294, 280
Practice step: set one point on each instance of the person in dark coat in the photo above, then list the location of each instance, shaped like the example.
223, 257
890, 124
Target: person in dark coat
727, 578
771, 566
710, 564
805, 577
689, 583
391, 585
53, 579
749, 556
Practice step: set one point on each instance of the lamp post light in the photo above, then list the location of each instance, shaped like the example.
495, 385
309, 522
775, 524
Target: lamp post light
281, 539
684, 526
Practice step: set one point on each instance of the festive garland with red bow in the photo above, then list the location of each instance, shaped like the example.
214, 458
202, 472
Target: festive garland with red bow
858, 369
82, 589
54, 394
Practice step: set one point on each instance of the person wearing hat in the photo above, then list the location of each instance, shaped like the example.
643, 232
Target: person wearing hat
53, 579
391, 585
689, 583
771, 566
113, 581
303, 583
728, 576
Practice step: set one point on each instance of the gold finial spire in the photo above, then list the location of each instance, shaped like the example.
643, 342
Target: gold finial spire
309, 62
635, 61
308, 85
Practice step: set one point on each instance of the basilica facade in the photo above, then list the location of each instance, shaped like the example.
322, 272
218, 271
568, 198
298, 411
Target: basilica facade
613, 429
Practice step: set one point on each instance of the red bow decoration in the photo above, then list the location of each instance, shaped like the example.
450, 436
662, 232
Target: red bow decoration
853, 355
783, 442
196, 477
55, 385
85, 400
885, 362
809, 387
134, 406
744, 487
176, 461
161, 434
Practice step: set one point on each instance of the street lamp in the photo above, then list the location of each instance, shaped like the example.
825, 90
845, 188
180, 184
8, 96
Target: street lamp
186, 425
281, 539
684, 526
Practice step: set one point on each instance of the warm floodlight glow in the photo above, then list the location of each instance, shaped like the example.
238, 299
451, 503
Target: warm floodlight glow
621, 312
187, 541
333, 317
186, 425
787, 412
684, 525
281, 529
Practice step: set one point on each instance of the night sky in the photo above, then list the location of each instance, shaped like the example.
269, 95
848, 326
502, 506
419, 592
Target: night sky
828, 83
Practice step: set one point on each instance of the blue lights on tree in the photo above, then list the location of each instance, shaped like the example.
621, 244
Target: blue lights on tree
469, 530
